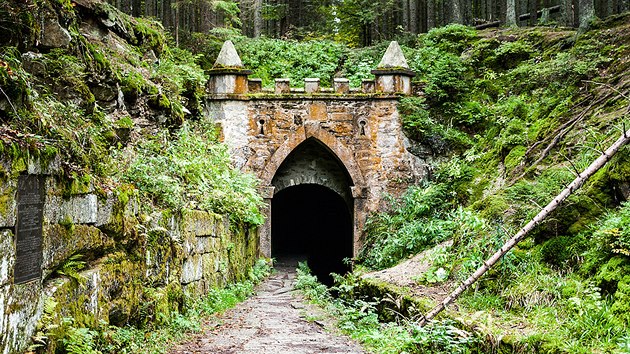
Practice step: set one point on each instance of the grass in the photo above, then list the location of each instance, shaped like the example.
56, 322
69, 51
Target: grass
359, 319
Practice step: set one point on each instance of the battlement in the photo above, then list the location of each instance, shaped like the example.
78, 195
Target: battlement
229, 79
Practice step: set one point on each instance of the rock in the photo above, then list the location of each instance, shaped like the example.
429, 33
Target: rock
150, 57
7, 257
104, 92
53, 35
625, 190
31, 62
80, 209
192, 269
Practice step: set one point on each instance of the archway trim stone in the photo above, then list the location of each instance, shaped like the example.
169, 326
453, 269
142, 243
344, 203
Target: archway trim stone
303, 133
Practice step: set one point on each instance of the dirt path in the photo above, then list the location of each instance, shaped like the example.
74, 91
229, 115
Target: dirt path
272, 322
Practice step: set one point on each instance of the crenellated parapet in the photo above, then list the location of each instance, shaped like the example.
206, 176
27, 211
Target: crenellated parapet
348, 140
229, 79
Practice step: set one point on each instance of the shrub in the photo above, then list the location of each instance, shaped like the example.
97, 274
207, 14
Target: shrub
193, 171
562, 251
412, 225
453, 38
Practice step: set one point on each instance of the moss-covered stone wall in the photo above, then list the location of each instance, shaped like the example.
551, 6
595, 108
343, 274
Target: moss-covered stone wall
106, 260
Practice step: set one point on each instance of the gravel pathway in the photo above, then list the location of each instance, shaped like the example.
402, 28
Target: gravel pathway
271, 322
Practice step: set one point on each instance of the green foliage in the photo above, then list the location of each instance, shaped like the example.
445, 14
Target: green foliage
442, 74
360, 319
421, 126
272, 58
310, 287
178, 71
191, 170
79, 341
453, 38
71, 267
509, 55
411, 225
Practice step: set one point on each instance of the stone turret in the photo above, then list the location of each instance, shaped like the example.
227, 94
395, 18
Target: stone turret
393, 74
228, 75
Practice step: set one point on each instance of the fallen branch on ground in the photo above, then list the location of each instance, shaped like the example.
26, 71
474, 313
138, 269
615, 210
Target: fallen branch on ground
490, 262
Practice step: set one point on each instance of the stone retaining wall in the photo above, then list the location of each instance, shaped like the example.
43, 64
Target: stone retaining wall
139, 264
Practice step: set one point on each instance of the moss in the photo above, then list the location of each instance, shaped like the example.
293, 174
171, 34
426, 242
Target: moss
132, 85
492, 207
7, 196
120, 280
563, 251
160, 101
405, 304
514, 157
18, 165
611, 273
79, 184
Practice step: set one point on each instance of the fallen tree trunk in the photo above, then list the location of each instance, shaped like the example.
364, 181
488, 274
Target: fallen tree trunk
490, 262
523, 17
526, 16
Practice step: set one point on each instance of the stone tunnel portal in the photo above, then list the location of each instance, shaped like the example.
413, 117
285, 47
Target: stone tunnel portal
311, 211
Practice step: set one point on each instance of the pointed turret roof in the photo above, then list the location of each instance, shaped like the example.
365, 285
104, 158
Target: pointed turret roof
228, 57
393, 58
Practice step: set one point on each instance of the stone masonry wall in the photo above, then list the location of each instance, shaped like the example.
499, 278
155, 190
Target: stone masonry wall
137, 263
363, 131
360, 127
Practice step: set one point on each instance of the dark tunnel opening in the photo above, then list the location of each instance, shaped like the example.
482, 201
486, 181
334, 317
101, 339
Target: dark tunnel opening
311, 222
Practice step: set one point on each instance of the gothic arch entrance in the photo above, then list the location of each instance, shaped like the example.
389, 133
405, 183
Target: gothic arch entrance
312, 210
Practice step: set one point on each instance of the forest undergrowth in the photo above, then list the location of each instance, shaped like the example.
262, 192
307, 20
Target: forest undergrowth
508, 117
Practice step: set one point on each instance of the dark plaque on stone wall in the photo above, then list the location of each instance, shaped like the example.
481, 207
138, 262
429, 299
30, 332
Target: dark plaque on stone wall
30, 205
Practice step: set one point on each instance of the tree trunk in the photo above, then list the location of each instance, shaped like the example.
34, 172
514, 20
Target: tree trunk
490, 262
258, 20
430, 14
456, 8
510, 18
413, 16
533, 12
176, 24
587, 13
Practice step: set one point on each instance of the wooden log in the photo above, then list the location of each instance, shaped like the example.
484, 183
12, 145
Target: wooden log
552, 10
488, 25
490, 262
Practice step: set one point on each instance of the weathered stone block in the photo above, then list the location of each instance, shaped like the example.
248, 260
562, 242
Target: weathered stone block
254, 85
367, 86
192, 269
62, 241
7, 256
206, 244
105, 209
81, 209
341, 85
199, 223
311, 85
23, 309
283, 86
